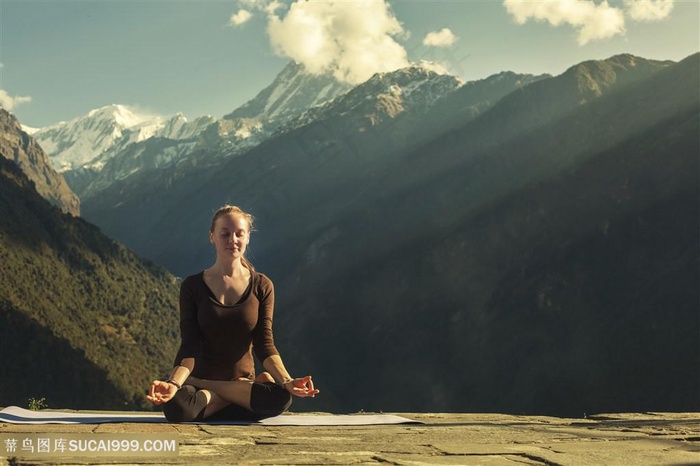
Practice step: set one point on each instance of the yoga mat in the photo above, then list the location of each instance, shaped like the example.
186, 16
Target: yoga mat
17, 415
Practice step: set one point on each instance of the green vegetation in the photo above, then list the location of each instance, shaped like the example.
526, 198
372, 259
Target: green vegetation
36, 404
82, 320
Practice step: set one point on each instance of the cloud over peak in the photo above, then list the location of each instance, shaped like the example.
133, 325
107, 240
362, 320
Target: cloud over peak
351, 40
593, 20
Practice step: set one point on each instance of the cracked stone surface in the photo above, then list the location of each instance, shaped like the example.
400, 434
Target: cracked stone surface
442, 439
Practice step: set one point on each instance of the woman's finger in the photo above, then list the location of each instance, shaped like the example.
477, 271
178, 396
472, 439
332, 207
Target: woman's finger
152, 389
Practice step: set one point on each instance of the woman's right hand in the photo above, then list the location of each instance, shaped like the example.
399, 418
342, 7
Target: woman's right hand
301, 387
161, 392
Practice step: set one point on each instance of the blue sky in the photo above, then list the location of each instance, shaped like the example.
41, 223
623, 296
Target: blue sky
59, 59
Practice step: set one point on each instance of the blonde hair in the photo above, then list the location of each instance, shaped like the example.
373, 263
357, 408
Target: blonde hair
229, 209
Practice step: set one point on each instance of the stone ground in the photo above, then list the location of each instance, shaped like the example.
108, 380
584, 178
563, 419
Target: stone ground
442, 439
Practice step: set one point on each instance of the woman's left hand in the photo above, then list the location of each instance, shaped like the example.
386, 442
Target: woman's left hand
161, 392
302, 387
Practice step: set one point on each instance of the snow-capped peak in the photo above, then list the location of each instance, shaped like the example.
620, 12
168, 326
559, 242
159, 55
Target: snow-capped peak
293, 91
71, 144
386, 95
431, 66
122, 115
75, 143
412, 74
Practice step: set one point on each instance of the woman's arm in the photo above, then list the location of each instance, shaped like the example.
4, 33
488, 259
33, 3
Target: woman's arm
180, 373
162, 391
264, 346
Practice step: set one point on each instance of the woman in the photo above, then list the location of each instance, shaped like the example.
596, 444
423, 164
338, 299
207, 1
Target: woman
225, 315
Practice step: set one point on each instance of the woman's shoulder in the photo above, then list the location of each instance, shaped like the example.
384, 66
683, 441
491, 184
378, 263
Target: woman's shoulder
262, 279
192, 280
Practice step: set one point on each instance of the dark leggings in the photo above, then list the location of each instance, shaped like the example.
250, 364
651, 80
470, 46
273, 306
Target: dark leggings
267, 399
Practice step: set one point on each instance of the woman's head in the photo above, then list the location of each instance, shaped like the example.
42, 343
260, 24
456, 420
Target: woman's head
231, 210
230, 232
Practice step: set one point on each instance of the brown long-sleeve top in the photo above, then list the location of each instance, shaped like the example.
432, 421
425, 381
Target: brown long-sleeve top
222, 338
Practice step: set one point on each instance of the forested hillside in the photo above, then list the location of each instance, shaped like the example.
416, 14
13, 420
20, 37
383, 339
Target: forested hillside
83, 322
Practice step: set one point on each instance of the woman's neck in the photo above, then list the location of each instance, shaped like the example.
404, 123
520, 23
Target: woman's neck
233, 268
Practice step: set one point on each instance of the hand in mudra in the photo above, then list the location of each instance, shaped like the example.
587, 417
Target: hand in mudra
161, 392
302, 387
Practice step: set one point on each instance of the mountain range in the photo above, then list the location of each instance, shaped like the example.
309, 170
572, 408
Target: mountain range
517, 244
359, 130
91, 140
115, 142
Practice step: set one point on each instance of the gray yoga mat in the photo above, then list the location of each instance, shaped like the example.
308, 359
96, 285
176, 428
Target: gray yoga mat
17, 415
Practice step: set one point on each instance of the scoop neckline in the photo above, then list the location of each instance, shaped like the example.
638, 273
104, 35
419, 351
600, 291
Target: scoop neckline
244, 297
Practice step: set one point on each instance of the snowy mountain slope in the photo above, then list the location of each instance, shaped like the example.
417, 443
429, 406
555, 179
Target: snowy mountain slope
155, 153
292, 92
114, 143
176, 128
73, 143
90, 140
83, 147
135, 147
385, 96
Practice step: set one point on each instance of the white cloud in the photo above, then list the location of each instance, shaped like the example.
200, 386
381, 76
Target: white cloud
442, 38
593, 21
348, 38
648, 10
9, 102
240, 18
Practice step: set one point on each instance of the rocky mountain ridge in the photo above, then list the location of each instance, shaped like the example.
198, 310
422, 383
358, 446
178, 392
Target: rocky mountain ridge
21, 148
384, 96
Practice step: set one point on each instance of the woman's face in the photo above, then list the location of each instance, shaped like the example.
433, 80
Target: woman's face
230, 235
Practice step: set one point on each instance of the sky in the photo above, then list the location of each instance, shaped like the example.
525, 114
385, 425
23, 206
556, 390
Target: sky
59, 59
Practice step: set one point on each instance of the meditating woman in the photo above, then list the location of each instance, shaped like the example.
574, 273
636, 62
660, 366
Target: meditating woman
225, 315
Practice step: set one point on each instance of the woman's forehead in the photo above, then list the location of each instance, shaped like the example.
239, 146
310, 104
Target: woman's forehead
232, 222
